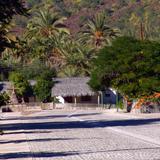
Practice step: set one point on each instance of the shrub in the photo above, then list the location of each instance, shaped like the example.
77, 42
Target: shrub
4, 98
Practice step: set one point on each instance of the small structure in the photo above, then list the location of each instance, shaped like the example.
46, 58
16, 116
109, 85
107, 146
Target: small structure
5, 86
75, 90
9, 89
108, 96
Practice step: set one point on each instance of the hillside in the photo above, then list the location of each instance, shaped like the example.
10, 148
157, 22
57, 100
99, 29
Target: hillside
67, 35
123, 14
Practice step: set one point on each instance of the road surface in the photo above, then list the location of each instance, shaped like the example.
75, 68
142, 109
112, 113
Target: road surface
84, 135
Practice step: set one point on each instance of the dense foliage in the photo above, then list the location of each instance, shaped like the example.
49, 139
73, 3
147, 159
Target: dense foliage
131, 66
8, 9
20, 83
4, 98
34, 70
43, 86
64, 33
97, 32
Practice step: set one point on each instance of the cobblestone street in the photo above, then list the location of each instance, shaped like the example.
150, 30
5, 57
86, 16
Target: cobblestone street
85, 135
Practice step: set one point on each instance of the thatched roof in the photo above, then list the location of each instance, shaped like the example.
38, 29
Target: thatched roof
71, 87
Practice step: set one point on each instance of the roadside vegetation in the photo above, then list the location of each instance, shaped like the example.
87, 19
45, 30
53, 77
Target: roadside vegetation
130, 66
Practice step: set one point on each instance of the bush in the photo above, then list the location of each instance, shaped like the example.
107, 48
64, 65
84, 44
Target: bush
43, 86
4, 98
21, 85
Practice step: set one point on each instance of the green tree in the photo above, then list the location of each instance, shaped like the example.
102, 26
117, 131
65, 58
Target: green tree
55, 56
77, 59
97, 32
17, 55
46, 23
4, 98
22, 87
131, 66
33, 70
44, 35
43, 87
8, 9
141, 22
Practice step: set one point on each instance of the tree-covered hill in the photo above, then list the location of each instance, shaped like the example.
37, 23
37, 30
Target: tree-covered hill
66, 35
130, 16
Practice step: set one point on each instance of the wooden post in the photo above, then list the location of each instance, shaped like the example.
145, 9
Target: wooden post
141, 31
102, 98
75, 100
117, 103
98, 99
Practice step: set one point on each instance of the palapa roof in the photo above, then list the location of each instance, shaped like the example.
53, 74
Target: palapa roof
75, 86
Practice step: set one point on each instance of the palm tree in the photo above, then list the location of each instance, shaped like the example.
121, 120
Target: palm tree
54, 53
45, 24
78, 59
8, 39
47, 31
97, 32
17, 54
143, 26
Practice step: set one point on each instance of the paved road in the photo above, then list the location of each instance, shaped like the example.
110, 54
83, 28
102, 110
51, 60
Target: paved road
88, 135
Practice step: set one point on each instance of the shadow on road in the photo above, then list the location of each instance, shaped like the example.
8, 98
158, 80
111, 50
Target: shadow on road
37, 140
51, 126
77, 124
64, 154
50, 117
36, 155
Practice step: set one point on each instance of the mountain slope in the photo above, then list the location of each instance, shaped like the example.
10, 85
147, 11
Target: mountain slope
127, 15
